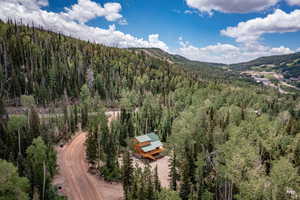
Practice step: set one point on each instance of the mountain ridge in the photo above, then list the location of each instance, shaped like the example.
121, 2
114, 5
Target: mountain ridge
176, 57
268, 60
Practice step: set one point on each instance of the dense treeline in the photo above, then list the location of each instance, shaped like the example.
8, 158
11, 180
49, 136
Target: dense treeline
48, 65
27, 146
27, 143
204, 70
225, 140
238, 143
40, 67
276, 60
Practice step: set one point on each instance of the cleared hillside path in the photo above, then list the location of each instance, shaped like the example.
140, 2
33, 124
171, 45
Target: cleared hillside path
77, 183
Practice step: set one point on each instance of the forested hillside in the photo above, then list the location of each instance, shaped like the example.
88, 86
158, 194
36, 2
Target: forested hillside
47, 65
225, 139
269, 60
205, 69
288, 65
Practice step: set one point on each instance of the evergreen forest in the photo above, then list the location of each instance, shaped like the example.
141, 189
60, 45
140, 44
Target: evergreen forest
226, 138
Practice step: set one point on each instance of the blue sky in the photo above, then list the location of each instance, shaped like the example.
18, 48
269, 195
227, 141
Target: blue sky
205, 30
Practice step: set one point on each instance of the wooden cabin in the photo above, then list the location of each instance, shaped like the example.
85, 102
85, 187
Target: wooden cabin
148, 146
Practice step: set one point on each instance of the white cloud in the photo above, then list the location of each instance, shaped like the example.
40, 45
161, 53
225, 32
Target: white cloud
30, 11
29, 4
252, 30
123, 22
59, 22
154, 39
188, 12
293, 2
280, 50
231, 6
86, 10
227, 53
298, 50
222, 53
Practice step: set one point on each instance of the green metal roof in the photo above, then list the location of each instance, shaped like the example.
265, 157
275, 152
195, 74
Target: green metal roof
143, 138
152, 146
153, 137
150, 137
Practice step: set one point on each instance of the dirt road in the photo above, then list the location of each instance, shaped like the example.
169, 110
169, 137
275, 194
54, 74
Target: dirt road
76, 182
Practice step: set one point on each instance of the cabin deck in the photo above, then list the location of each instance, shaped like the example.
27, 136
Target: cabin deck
148, 146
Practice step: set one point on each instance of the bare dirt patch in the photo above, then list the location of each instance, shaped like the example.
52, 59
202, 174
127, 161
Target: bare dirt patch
73, 177
162, 169
77, 183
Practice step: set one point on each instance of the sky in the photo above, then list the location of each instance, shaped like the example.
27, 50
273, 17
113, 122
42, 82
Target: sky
222, 31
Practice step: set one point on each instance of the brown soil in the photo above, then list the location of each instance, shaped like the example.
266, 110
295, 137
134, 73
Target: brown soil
162, 169
73, 177
76, 182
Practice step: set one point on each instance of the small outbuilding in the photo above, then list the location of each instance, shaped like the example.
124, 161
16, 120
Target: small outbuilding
148, 146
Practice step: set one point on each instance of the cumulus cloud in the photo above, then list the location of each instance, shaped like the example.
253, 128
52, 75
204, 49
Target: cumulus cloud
72, 22
213, 53
228, 53
252, 30
280, 50
73, 26
231, 6
29, 4
293, 2
86, 10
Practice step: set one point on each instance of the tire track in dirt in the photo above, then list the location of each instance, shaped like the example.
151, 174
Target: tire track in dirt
77, 183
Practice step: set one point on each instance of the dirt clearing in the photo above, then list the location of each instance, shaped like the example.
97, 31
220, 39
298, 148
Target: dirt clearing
73, 177
162, 169
77, 183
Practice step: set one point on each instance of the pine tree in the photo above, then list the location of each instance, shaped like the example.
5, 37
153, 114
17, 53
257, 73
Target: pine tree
34, 123
149, 190
84, 116
141, 191
173, 174
91, 147
111, 167
199, 186
66, 124
127, 126
157, 185
127, 173
123, 135
85, 98
75, 116
72, 122
190, 157
3, 133
185, 186
3, 114
134, 195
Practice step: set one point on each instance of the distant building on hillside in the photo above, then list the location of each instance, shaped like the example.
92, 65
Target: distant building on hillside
148, 146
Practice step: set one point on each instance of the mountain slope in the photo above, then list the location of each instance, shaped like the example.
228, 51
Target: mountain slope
281, 68
268, 60
177, 58
205, 69
49, 66
288, 65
